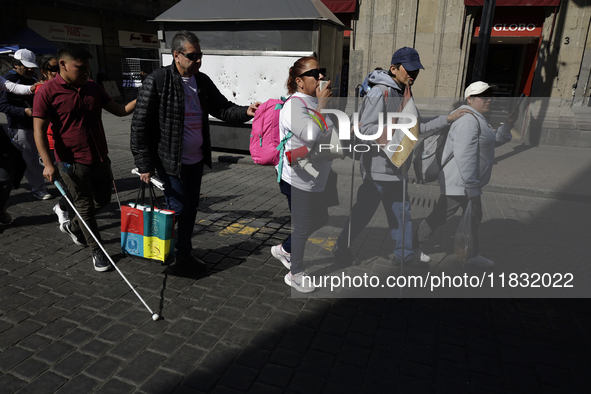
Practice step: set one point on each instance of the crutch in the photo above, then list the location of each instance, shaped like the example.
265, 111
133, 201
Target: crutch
155, 316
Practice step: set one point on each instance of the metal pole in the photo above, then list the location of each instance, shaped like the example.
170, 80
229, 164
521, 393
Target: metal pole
486, 23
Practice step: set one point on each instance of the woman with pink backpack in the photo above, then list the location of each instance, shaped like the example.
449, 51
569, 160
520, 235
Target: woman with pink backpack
301, 187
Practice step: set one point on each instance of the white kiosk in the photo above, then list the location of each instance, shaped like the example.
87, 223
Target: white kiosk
249, 45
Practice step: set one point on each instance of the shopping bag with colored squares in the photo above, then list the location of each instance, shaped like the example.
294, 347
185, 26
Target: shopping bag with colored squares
147, 231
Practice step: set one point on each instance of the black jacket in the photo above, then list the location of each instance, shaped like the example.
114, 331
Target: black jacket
158, 120
14, 106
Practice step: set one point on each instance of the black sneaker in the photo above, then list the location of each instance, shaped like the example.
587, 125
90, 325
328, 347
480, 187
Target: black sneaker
343, 256
412, 263
5, 217
77, 237
190, 261
100, 261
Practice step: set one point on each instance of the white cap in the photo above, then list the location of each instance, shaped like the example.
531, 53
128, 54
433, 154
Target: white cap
26, 57
479, 87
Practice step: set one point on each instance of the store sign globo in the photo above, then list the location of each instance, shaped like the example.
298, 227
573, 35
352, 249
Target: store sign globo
514, 27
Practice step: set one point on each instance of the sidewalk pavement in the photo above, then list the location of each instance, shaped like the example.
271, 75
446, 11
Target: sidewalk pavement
65, 328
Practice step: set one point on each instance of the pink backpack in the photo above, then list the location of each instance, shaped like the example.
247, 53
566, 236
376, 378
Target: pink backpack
265, 145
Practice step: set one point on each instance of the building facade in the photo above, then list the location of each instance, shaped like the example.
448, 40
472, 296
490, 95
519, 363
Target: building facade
111, 30
537, 47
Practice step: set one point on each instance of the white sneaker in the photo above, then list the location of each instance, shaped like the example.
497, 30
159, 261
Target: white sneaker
42, 195
481, 261
419, 255
298, 282
62, 216
281, 255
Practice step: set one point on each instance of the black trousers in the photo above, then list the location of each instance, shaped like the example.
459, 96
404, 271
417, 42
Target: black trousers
444, 209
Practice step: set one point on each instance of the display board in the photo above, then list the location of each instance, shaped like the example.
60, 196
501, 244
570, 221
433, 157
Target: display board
246, 79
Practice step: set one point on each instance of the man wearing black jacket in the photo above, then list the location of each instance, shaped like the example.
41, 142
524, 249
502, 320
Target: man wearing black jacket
170, 133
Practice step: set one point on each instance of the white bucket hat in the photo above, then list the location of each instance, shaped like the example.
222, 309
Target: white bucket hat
26, 57
479, 87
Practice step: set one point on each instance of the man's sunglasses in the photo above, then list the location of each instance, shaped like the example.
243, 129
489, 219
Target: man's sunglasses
53, 69
315, 73
192, 55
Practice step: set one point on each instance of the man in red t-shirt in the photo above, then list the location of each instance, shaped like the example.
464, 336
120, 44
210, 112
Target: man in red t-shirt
73, 104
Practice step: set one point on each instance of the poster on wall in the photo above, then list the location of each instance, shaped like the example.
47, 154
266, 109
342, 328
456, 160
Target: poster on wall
65, 32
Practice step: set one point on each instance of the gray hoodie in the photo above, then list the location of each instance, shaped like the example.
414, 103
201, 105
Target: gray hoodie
470, 168
374, 163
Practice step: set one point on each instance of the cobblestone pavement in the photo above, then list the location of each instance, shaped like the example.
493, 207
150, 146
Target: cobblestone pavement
65, 328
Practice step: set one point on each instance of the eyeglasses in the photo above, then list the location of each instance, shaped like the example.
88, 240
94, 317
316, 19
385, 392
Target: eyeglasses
192, 55
315, 73
486, 98
52, 69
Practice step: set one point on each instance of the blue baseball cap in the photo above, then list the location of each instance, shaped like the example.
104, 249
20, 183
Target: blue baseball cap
408, 57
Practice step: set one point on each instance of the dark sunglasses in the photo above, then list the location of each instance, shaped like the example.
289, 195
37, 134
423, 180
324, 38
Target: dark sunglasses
53, 69
193, 55
315, 73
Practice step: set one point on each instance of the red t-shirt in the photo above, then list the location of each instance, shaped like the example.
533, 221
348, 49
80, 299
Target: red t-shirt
75, 116
49, 132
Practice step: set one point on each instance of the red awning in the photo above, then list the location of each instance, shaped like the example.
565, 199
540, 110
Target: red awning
551, 3
341, 6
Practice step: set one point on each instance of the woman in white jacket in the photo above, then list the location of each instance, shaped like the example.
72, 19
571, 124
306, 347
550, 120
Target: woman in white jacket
469, 155
303, 187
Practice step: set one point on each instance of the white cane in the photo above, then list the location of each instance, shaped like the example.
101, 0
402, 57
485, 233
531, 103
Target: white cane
403, 222
57, 184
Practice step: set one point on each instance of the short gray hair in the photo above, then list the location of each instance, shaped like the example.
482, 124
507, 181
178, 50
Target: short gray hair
180, 38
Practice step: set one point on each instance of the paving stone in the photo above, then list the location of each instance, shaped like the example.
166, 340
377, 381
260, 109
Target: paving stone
183, 328
214, 326
161, 381
141, 367
56, 329
166, 344
54, 352
77, 337
12, 356
34, 342
104, 367
184, 359
16, 333
96, 323
131, 345
275, 375
73, 364
48, 383
201, 379
96, 347
115, 333
219, 358
11, 384
303, 382
115, 386
238, 377
253, 357
79, 384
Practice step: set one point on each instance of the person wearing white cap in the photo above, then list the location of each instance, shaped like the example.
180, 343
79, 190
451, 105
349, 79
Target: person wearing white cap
19, 113
8, 161
469, 155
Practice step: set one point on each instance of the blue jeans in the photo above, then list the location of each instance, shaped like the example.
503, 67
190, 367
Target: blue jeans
308, 214
182, 196
369, 196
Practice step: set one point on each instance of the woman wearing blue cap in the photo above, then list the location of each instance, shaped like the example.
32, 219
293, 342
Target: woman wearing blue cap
382, 181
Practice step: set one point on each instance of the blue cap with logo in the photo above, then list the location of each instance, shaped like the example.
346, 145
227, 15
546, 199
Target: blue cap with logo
408, 57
